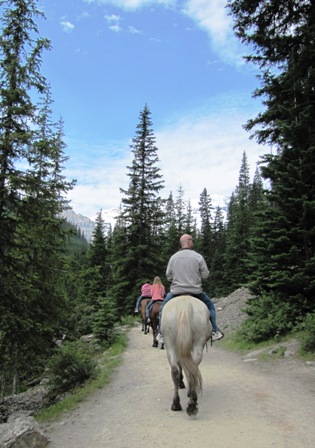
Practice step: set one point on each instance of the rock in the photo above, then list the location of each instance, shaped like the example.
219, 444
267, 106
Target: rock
230, 309
29, 402
22, 432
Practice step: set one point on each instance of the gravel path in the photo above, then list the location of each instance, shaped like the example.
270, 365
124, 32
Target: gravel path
244, 404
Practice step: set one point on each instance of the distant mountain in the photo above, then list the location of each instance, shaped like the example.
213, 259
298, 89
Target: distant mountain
83, 223
87, 225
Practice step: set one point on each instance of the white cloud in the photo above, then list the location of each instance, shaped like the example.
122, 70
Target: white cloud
134, 30
196, 151
208, 15
205, 153
115, 28
67, 26
132, 4
113, 18
211, 16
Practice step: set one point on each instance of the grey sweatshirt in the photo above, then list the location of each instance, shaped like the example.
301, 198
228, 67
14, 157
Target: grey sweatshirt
186, 269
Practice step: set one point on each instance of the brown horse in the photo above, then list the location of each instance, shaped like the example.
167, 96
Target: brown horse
143, 305
154, 316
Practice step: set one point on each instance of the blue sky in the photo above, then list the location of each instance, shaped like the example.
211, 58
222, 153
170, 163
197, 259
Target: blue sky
111, 57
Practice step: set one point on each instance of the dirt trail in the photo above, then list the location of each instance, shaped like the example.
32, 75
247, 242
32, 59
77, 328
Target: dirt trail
244, 404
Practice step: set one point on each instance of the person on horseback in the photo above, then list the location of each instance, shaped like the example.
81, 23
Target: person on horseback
186, 269
158, 293
146, 293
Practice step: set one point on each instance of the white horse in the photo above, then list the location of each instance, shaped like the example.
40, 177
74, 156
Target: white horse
186, 328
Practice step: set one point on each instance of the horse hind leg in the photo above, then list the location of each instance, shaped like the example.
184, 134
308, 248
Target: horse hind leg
192, 407
181, 379
176, 406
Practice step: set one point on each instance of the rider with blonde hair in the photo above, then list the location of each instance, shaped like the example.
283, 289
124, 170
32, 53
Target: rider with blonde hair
158, 293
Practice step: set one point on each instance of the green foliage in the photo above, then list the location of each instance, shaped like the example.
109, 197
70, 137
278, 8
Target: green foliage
238, 230
108, 360
280, 260
308, 336
54, 282
70, 366
32, 235
269, 318
141, 219
105, 319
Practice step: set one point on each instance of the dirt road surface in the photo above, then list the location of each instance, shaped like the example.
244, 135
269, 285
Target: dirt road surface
245, 403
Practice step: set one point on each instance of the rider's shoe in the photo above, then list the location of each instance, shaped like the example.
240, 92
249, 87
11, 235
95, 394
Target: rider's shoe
136, 312
216, 335
148, 320
160, 338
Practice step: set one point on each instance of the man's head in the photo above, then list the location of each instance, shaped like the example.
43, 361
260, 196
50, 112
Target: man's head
186, 241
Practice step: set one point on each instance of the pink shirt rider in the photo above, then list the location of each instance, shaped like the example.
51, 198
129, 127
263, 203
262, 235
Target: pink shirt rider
146, 290
158, 291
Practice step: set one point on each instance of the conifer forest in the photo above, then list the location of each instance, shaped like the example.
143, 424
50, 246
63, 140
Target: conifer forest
54, 282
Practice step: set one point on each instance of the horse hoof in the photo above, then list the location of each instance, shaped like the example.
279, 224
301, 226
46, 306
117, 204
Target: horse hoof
162, 347
176, 407
192, 409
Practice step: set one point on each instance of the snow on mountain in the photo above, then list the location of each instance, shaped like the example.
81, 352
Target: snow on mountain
87, 225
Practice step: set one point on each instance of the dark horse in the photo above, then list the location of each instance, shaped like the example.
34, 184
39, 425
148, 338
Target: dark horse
186, 329
143, 305
154, 316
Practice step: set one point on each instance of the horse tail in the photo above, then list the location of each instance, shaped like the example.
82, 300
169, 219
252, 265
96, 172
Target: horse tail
183, 345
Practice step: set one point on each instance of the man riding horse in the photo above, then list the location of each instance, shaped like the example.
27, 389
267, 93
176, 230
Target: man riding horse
186, 269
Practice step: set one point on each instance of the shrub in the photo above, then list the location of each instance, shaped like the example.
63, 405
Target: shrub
308, 336
70, 366
268, 318
105, 320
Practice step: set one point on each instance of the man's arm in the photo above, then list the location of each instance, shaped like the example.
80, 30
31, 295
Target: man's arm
169, 271
204, 271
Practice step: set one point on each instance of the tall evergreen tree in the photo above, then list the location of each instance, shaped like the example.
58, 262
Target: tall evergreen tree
205, 209
31, 188
217, 282
98, 270
171, 233
238, 231
205, 241
180, 210
102, 302
283, 35
142, 211
190, 221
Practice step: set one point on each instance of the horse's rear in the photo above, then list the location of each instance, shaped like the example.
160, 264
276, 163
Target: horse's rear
154, 315
143, 304
186, 329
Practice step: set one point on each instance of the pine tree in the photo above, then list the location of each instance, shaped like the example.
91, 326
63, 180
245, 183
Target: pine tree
217, 282
142, 212
205, 241
283, 35
190, 221
238, 231
205, 208
31, 189
180, 208
98, 254
171, 233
